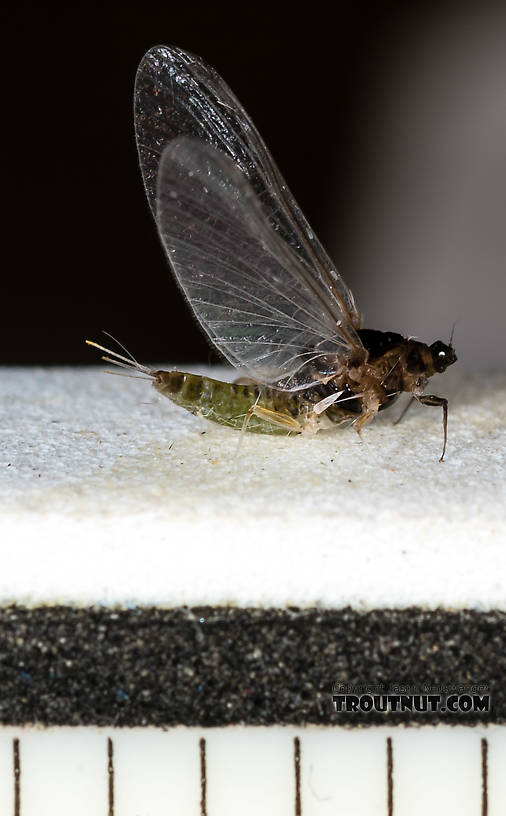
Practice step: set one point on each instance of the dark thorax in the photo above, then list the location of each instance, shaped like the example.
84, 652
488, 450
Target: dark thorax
394, 364
399, 364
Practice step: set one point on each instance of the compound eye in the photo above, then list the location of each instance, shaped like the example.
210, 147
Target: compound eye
441, 356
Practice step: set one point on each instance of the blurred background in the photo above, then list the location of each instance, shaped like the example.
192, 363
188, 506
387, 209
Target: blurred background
388, 122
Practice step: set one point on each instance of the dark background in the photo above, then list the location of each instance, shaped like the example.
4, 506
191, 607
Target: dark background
81, 247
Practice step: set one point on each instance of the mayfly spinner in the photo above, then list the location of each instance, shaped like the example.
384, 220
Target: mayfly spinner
255, 275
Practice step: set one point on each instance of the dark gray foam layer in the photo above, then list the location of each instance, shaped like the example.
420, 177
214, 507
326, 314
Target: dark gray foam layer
214, 666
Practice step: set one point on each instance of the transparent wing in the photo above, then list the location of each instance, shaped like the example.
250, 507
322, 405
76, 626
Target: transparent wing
178, 94
256, 299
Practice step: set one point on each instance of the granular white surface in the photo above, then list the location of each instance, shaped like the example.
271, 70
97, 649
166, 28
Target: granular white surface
111, 494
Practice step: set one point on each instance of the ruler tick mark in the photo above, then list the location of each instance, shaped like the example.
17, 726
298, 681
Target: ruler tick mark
296, 762
110, 774
203, 778
484, 777
390, 777
16, 762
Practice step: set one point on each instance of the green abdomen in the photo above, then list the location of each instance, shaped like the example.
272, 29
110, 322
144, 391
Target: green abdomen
225, 403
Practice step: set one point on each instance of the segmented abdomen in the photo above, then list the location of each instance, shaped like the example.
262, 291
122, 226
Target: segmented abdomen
225, 403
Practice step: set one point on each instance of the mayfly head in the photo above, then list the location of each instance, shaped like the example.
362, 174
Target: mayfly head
442, 356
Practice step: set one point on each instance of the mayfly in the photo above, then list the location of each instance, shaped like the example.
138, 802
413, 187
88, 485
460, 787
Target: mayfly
255, 275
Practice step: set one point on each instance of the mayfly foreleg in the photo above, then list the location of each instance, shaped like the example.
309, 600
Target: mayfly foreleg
432, 399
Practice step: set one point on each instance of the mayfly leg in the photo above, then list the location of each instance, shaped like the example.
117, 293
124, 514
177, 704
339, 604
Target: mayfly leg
275, 418
245, 424
431, 399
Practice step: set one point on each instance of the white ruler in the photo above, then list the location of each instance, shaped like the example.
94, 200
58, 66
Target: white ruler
253, 771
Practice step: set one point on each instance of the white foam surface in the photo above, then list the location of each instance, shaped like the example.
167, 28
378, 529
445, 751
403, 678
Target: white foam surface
251, 770
111, 494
